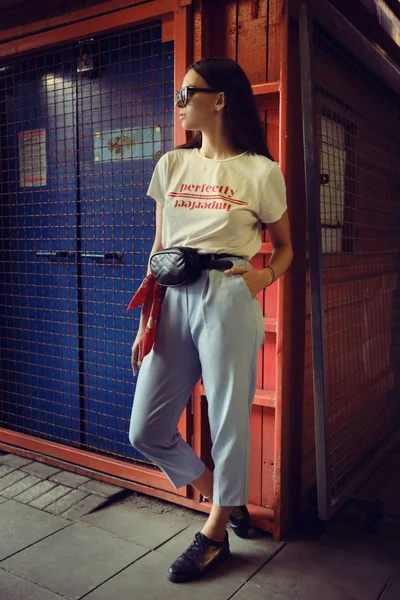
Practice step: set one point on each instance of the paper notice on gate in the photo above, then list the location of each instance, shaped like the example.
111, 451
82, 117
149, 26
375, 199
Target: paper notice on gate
32, 158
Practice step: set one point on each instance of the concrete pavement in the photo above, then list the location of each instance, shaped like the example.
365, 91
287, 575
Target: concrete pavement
65, 536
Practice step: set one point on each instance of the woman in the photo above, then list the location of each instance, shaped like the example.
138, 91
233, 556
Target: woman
212, 194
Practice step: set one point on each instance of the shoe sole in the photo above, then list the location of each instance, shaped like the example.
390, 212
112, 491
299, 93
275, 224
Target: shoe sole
186, 578
241, 527
242, 533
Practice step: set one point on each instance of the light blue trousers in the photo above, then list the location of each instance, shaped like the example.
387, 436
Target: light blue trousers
211, 328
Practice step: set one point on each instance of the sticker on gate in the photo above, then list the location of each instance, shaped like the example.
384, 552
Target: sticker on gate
32, 158
127, 144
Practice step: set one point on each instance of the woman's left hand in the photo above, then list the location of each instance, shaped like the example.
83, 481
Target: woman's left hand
255, 280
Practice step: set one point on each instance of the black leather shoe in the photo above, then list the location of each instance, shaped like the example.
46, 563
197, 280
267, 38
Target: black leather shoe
240, 524
198, 558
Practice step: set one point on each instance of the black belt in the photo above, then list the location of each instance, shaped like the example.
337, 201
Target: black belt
216, 261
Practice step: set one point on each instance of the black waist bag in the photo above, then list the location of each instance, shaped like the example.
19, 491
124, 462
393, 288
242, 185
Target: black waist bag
176, 266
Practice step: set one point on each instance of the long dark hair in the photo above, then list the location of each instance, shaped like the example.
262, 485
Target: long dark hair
240, 115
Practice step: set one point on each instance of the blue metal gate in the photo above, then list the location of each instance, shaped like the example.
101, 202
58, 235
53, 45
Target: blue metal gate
83, 127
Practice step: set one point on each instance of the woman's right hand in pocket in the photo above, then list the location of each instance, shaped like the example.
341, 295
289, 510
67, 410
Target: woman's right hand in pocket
137, 352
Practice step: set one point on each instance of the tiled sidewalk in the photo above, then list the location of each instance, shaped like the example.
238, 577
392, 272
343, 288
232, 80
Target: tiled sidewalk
53, 546
50, 489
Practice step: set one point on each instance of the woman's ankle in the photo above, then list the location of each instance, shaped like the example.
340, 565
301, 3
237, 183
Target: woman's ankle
216, 535
215, 526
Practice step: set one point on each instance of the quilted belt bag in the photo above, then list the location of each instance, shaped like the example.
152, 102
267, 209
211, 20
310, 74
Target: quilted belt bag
173, 267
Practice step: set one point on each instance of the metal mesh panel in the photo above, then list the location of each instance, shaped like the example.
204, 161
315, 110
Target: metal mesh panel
83, 127
358, 139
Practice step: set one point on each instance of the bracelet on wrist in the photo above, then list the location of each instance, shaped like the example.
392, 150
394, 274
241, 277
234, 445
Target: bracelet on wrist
272, 273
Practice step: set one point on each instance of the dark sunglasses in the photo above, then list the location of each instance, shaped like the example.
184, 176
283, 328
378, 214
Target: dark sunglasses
183, 95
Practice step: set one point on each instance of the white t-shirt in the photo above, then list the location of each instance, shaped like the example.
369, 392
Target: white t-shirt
217, 206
